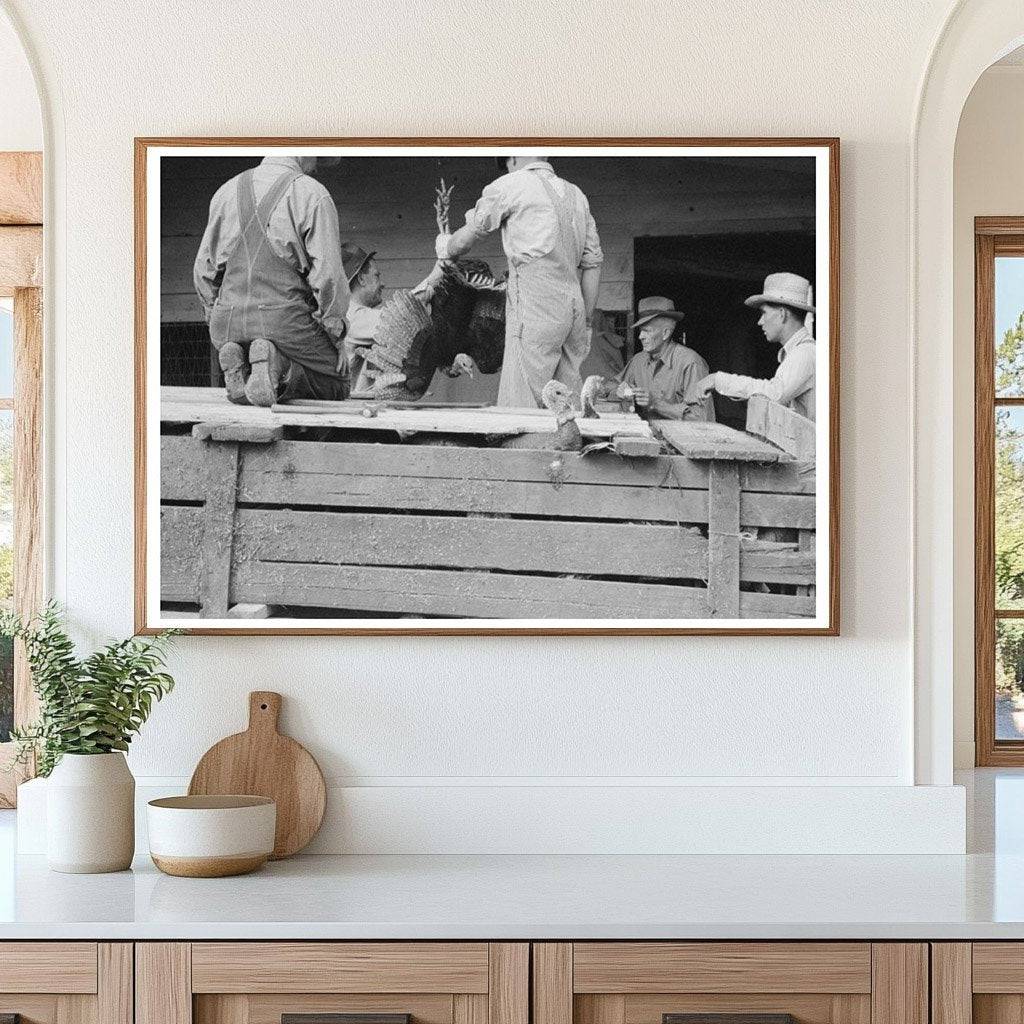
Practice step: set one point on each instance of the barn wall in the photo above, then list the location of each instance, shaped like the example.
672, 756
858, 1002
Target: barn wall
391, 211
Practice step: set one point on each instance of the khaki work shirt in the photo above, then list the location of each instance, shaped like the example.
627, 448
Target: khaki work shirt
518, 204
793, 383
671, 378
303, 230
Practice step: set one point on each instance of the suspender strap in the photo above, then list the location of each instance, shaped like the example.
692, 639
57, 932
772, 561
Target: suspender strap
253, 219
565, 215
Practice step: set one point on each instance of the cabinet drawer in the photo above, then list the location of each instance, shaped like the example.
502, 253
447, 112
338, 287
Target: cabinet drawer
263, 982
66, 982
731, 982
635, 967
340, 967
48, 967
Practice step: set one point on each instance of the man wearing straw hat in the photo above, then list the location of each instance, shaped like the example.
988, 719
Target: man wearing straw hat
665, 377
787, 310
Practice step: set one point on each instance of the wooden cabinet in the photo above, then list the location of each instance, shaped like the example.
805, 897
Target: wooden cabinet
648, 982
494, 983
260, 982
66, 982
979, 982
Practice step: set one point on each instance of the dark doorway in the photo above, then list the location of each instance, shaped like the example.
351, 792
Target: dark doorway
708, 277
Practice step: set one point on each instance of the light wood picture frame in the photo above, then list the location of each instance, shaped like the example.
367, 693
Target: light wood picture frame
731, 528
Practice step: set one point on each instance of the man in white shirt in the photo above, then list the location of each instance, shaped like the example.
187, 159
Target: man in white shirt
554, 258
784, 302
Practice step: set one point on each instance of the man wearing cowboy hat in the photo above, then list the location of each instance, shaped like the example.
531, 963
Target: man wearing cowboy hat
364, 308
785, 301
554, 266
665, 375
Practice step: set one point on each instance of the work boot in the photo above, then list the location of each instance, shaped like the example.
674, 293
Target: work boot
267, 364
235, 368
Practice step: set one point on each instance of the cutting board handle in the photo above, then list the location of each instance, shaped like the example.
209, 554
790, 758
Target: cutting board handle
264, 710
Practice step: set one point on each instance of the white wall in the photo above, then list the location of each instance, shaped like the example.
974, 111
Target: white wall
988, 181
444, 713
21, 125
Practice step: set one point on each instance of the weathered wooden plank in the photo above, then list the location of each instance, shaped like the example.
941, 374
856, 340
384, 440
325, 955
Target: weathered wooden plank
628, 445
272, 483
474, 594
699, 440
724, 540
181, 468
180, 563
249, 433
513, 545
782, 427
217, 537
21, 188
216, 409
629, 550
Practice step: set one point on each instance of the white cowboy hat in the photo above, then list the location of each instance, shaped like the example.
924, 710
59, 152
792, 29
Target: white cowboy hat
653, 307
785, 290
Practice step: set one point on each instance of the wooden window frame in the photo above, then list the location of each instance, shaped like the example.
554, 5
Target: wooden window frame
993, 236
21, 276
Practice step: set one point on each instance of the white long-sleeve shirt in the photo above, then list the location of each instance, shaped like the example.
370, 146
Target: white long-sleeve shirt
518, 204
793, 383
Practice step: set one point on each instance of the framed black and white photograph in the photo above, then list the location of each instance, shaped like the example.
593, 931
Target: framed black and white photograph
443, 386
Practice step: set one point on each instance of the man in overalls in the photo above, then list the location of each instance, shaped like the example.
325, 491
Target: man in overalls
554, 260
270, 276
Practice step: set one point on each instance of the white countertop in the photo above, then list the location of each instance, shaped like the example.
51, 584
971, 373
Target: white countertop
532, 897
978, 896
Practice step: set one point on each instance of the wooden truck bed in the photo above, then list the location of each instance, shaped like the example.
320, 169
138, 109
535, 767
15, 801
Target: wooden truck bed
368, 526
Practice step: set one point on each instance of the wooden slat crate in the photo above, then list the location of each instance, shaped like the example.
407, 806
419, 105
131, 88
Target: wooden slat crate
397, 529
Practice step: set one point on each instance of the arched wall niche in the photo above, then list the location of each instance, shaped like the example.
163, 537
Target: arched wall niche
976, 34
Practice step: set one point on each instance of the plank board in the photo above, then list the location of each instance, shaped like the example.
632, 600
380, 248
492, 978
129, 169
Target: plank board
629, 550
459, 594
180, 469
176, 406
698, 440
782, 427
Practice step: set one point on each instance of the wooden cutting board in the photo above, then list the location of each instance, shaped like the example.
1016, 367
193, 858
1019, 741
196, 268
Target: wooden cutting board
262, 762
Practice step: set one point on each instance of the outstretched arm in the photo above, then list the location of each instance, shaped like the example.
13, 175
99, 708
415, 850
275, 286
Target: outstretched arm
456, 245
590, 281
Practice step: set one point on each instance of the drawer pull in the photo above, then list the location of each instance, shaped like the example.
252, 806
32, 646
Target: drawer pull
340, 1018
728, 1018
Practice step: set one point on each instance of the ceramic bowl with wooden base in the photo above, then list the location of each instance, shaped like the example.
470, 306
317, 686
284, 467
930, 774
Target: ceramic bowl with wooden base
211, 836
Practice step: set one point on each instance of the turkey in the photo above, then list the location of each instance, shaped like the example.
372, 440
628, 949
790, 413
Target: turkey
453, 321
557, 397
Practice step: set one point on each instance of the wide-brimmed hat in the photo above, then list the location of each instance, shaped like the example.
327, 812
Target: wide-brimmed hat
353, 259
785, 290
653, 307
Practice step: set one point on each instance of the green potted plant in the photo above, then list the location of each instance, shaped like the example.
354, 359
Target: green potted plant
89, 710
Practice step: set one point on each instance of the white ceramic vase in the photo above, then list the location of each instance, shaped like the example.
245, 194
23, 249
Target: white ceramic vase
90, 814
